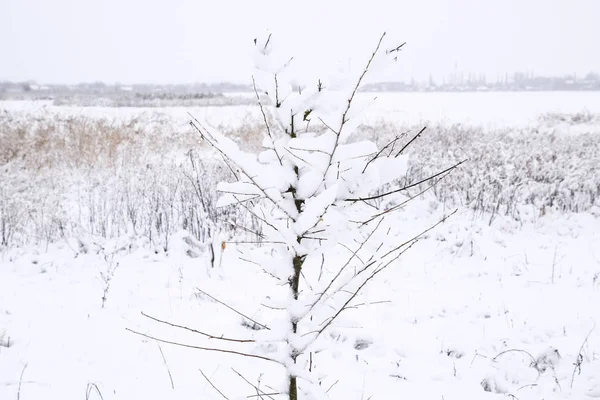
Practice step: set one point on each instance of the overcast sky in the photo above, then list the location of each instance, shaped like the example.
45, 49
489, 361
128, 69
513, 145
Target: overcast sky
177, 41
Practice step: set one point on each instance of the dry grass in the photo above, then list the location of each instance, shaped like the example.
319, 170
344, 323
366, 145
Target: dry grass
76, 142
68, 177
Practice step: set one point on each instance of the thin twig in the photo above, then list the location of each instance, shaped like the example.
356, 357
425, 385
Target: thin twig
579, 360
198, 332
166, 365
369, 303
410, 141
515, 351
396, 49
365, 282
21, 380
352, 256
254, 386
382, 266
213, 386
266, 121
322, 264
267, 43
88, 391
391, 143
338, 133
378, 196
331, 387
210, 139
233, 309
238, 353
241, 227
420, 234
253, 242
399, 206
239, 202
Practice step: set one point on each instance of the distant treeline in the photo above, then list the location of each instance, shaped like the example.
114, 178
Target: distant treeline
457, 82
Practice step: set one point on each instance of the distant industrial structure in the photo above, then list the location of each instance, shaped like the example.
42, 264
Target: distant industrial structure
517, 82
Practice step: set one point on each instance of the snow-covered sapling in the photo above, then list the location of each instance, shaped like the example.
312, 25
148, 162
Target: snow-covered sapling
325, 203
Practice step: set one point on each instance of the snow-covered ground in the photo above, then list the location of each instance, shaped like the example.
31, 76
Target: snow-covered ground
475, 108
482, 308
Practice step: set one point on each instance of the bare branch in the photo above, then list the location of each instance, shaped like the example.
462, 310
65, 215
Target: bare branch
267, 43
277, 103
382, 266
253, 242
420, 234
266, 120
410, 141
213, 386
369, 303
258, 390
238, 353
338, 133
367, 280
198, 332
399, 206
322, 264
298, 157
378, 196
391, 143
354, 254
328, 127
208, 137
233, 309
310, 150
331, 387
397, 49
241, 227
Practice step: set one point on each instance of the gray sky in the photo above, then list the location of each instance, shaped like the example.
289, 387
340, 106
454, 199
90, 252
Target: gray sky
175, 41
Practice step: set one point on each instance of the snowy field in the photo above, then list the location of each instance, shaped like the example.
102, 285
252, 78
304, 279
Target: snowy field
108, 213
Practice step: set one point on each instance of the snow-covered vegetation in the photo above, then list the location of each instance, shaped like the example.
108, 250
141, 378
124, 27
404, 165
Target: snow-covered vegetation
109, 174
108, 213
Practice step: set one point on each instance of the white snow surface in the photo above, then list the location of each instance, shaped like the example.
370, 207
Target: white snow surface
467, 307
472, 311
492, 109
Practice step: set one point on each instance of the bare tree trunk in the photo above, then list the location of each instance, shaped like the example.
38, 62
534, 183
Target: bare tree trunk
298, 261
293, 391
295, 284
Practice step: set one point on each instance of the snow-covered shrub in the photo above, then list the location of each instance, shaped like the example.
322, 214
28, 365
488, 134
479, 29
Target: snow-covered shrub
509, 168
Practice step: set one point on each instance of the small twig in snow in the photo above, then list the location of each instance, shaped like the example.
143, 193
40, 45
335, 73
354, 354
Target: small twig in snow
579, 360
88, 391
515, 351
331, 387
21, 381
166, 365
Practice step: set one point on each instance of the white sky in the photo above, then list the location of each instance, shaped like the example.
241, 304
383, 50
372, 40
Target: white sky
176, 41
